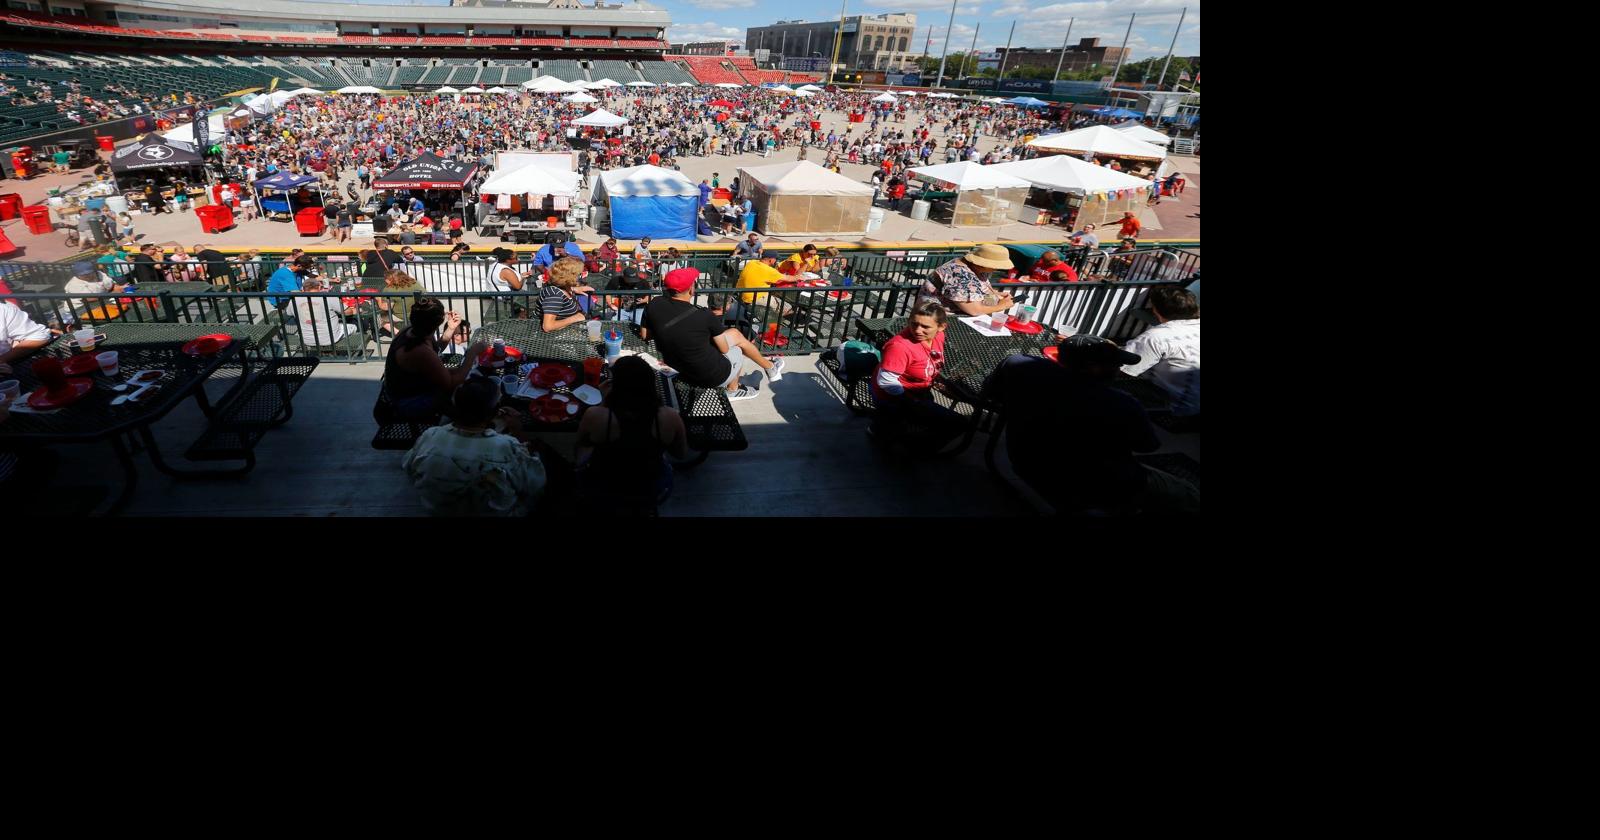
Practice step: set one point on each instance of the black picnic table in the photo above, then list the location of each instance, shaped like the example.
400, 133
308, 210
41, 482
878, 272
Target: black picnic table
93, 417
117, 333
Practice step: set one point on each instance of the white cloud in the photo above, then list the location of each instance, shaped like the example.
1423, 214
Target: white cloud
913, 5
680, 33
721, 4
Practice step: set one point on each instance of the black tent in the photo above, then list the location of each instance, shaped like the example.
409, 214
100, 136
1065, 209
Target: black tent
427, 171
155, 152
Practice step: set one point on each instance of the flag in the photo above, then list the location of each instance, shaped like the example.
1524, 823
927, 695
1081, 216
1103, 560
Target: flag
1197, 77
1183, 76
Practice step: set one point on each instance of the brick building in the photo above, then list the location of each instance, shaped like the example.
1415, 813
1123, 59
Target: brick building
871, 42
1083, 55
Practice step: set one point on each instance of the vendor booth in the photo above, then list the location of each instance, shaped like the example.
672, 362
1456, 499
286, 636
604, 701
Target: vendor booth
530, 201
1074, 192
600, 118
647, 201
976, 196
157, 159
428, 178
1139, 131
803, 199
283, 195
1103, 142
216, 128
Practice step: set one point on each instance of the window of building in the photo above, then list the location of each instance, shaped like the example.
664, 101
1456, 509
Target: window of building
904, 41
877, 45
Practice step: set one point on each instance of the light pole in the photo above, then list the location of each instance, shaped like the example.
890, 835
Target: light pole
1007, 56
838, 41
1063, 51
1171, 47
971, 49
946, 52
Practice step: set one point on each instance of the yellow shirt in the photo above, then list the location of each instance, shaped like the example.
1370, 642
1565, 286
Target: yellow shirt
813, 265
757, 275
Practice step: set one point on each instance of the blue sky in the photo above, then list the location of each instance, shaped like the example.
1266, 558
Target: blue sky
1040, 23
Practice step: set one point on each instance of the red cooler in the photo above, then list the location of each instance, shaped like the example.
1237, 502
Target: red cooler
10, 206
107, 144
37, 217
310, 220
214, 218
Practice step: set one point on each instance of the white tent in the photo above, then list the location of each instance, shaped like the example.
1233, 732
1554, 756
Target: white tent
185, 133
941, 96
1069, 174
531, 179
1100, 140
358, 89
447, 89
812, 88
968, 175
602, 118
803, 93
803, 199
1139, 131
641, 84
648, 201
583, 98
727, 85
685, 84
885, 97
551, 84
305, 91
907, 93
473, 89
268, 103
784, 88
607, 83
984, 196
498, 89
994, 99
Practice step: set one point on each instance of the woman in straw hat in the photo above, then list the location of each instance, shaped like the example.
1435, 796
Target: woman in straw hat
962, 285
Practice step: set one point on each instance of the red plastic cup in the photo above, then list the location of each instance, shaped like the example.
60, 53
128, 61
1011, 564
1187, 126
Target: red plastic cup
591, 370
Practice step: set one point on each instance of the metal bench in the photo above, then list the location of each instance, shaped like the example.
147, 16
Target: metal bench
265, 403
708, 420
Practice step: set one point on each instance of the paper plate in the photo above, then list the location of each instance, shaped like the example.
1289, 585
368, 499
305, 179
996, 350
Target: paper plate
67, 394
80, 365
208, 345
548, 376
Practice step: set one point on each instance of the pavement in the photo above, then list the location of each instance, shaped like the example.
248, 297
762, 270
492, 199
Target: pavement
1176, 218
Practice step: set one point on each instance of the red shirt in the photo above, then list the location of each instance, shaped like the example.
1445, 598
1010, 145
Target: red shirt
912, 364
1040, 274
655, 159
1130, 227
455, 224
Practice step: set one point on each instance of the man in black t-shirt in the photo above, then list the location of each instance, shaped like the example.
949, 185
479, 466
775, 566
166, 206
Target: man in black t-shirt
145, 265
383, 260
217, 269
1071, 436
695, 342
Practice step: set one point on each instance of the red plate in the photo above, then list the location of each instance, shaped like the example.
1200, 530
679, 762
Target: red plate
80, 365
71, 392
487, 356
548, 409
1032, 328
551, 375
207, 345
1053, 353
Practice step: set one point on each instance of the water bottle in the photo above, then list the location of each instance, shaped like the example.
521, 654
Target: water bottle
613, 346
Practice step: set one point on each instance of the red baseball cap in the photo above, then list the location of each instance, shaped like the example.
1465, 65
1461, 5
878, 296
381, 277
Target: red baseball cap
681, 279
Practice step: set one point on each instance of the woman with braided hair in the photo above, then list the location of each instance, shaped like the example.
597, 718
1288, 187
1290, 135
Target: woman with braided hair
416, 382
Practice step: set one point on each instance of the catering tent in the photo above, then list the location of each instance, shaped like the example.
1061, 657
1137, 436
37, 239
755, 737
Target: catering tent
601, 118
474, 89
727, 85
530, 178
1138, 131
305, 91
906, 93
995, 99
1095, 193
648, 201
155, 152
1100, 140
803, 199
641, 84
941, 96
1026, 102
551, 84
984, 197
803, 93
447, 89
607, 83
185, 133
498, 89
581, 98
427, 171
358, 89
271, 102
282, 207
885, 97
812, 88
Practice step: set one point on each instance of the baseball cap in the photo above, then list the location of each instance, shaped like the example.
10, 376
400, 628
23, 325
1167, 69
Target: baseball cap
681, 279
83, 268
1093, 348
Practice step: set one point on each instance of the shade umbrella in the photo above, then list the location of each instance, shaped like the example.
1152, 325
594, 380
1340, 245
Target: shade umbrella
721, 103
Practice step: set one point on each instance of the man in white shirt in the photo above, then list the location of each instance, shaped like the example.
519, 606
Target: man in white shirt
1170, 350
319, 317
18, 333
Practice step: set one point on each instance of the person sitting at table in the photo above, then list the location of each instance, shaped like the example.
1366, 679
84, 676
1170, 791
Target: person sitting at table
288, 278
19, 335
504, 277
621, 441
178, 265
1048, 268
146, 265
641, 253
750, 248
1066, 420
416, 382
962, 284
903, 387
1122, 258
558, 299
466, 468
697, 344
802, 262
555, 249
321, 319
607, 256
86, 279
1169, 352
759, 274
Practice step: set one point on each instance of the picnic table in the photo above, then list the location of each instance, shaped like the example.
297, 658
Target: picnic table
117, 333
94, 418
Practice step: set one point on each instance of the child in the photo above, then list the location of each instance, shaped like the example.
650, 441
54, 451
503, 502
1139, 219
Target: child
125, 226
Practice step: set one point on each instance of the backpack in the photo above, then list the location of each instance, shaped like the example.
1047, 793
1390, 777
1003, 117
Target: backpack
858, 358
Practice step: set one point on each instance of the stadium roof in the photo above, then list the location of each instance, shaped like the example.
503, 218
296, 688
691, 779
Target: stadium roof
635, 13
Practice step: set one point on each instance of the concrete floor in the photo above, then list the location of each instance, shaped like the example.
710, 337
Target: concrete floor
1176, 218
808, 456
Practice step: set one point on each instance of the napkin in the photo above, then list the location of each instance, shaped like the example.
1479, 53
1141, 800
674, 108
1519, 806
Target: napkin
983, 324
20, 406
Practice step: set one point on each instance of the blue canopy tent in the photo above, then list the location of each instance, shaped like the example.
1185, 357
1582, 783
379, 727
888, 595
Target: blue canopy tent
1123, 113
649, 201
1027, 101
284, 183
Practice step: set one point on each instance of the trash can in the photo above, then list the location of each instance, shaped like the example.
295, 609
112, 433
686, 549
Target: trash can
107, 144
308, 220
114, 203
874, 219
37, 217
919, 210
10, 206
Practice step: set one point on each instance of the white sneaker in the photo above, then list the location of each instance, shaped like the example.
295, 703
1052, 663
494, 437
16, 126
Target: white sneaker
743, 394
775, 373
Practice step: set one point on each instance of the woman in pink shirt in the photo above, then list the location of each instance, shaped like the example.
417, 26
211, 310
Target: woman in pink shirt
903, 388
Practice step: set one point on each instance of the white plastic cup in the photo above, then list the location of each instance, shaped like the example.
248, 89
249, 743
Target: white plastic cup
594, 330
1027, 313
108, 362
998, 320
85, 339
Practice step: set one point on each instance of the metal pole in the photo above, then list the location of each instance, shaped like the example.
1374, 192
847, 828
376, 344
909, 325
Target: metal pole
972, 49
1063, 51
1121, 56
1006, 56
808, 43
838, 41
926, 46
946, 52
1170, 48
